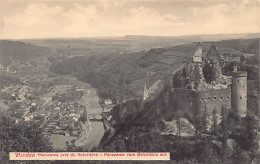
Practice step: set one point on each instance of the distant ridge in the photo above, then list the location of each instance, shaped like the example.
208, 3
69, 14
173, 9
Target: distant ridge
205, 37
202, 37
11, 51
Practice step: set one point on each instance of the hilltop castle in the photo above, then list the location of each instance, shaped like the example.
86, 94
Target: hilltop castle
201, 85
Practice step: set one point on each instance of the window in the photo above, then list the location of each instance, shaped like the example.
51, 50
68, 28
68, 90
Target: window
209, 98
228, 97
222, 98
240, 97
215, 98
238, 81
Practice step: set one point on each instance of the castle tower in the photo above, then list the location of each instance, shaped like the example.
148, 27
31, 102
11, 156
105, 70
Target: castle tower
239, 93
197, 54
145, 93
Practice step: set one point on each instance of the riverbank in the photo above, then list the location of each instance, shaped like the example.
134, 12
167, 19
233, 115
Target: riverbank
85, 132
85, 127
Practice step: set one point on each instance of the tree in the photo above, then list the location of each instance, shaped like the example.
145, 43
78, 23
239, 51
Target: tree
215, 123
207, 72
242, 59
249, 132
216, 70
198, 125
83, 118
224, 131
22, 137
198, 77
177, 80
178, 122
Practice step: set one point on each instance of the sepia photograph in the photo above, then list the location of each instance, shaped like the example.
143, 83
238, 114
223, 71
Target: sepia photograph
130, 81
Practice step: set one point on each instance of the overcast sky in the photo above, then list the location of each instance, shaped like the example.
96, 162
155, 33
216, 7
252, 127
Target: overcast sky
93, 18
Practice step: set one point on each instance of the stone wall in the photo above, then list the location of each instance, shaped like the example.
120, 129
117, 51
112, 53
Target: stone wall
192, 102
215, 99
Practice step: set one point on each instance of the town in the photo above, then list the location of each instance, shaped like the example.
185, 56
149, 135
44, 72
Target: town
58, 107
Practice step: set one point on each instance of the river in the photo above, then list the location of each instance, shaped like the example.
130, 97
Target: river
97, 127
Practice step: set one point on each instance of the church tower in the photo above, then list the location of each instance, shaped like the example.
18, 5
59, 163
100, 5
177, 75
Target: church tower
239, 93
145, 93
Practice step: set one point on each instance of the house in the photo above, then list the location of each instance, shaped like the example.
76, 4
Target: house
33, 104
74, 133
107, 109
67, 133
20, 97
28, 117
75, 118
13, 96
80, 89
57, 108
108, 102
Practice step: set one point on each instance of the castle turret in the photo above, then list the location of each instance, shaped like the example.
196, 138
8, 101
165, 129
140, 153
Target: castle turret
145, 93
239, 93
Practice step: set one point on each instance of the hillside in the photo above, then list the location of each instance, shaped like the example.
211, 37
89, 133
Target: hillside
12, 51
123, 76
137, 122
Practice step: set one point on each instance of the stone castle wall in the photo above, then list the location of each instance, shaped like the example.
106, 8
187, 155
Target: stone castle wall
191, 101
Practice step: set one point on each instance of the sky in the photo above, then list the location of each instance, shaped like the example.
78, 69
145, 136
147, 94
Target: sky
22, 19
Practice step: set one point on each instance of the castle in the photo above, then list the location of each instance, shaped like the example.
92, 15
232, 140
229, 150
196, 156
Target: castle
201, 85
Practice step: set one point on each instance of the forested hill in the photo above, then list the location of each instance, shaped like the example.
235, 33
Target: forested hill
19, 51
123, 76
